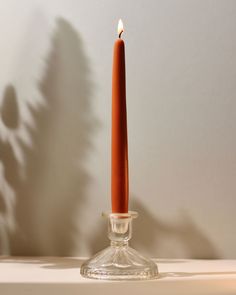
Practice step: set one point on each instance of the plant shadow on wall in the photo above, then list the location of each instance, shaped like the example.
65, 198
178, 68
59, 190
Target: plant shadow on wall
51, 197
8, 169
158, 238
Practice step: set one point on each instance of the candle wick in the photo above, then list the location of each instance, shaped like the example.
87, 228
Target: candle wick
120, 34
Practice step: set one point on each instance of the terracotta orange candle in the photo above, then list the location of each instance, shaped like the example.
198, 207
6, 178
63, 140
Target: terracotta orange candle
119, 161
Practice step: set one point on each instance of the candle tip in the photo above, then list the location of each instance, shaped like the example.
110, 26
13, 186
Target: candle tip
120, 28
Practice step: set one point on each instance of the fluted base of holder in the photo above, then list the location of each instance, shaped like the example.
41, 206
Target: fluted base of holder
119, 263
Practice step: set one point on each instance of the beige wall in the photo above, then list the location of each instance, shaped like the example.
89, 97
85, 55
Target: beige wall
55, 94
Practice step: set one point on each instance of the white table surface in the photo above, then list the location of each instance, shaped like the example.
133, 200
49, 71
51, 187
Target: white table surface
53, 275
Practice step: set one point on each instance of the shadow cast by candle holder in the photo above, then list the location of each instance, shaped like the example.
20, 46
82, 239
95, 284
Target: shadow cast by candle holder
192, 274
150, 232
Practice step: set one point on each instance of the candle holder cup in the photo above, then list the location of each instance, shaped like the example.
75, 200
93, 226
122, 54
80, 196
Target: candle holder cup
119, 261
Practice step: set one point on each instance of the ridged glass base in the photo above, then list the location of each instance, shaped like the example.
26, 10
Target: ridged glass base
119, 261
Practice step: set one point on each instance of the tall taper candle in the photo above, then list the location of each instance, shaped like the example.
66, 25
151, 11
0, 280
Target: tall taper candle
119, 161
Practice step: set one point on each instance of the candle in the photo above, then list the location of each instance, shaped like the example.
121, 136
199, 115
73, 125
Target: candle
119, 161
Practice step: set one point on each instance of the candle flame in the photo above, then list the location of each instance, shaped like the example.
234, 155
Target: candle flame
120, 28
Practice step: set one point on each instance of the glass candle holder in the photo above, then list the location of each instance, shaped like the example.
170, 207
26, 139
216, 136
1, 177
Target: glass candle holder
119, 261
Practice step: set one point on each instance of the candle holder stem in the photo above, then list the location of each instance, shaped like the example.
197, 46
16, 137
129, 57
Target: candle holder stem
119, 261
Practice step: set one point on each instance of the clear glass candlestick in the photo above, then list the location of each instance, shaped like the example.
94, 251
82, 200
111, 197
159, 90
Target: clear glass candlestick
119, 261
